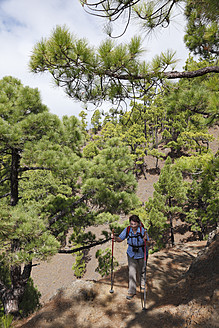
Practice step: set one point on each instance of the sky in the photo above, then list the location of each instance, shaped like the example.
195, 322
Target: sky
25, 22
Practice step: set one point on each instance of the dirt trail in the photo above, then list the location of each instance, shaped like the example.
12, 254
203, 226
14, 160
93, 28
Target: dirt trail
170, 302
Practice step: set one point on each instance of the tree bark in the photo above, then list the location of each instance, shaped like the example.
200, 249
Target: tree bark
168, 75
192, 74
15, 165
11, 296
10, 302
171, 225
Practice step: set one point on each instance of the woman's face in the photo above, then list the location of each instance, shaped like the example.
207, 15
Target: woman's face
134, 225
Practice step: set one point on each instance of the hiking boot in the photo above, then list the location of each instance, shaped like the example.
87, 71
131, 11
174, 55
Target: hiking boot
130, 296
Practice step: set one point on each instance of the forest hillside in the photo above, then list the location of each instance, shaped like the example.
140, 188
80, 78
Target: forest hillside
182, 284
49, 276
67, 184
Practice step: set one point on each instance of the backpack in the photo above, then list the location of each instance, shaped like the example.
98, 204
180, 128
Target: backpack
135, 248
129, 227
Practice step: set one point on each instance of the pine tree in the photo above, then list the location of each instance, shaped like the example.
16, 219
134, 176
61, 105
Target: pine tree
47, 186
202, 205
96, 121
24, 235
202, 27
170, 195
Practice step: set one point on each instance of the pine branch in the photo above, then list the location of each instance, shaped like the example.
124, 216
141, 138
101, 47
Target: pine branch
70, 208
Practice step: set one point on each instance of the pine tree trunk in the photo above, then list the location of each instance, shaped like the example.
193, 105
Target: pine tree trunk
15, 164
11, 302
11, 296
171, 224
156, 137
171, 231
145, 129
156, 164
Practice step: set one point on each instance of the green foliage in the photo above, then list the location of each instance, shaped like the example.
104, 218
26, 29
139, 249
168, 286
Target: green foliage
156, 221
190, 110
80, 237
157, 154
118, 227
202, 27
171, 184
30, 301
193, 218
110, 176
104, 262
90, 150
73, 61
35, 241
202, 207
161, 62
204, 196
168, 200
59, 188
6, 320
83, 117
201, 15
106, 217
52, 187
96, 121
114, 72
195, 141
109, 130
79, 267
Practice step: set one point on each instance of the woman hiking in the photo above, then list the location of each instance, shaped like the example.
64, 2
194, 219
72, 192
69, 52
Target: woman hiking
136, 236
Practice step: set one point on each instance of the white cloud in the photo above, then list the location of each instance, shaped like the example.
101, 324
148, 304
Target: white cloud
24, 22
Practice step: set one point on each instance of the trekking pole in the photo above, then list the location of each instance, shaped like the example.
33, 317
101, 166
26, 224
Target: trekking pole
111, 290
145, 265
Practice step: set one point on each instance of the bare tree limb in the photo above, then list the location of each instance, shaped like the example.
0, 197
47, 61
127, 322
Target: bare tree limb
168, 75
192, 74
5, 195
5, 179
70, 251
26, 168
